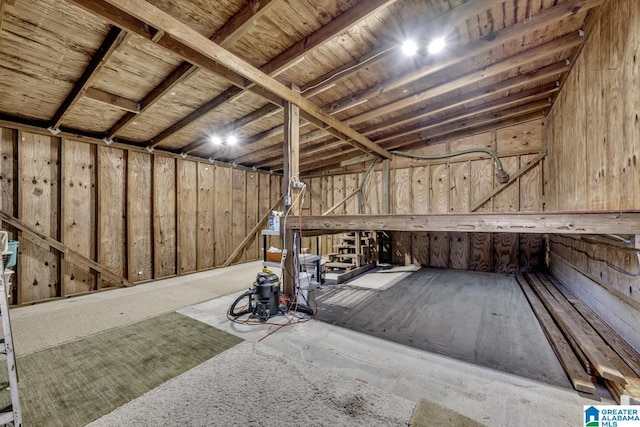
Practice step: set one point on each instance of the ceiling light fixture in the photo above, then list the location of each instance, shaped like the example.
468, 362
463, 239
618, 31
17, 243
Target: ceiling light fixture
231, 140
409, 47
436, 46
215, 140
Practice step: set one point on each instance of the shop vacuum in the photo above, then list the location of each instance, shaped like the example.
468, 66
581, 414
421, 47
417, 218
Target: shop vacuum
263, 299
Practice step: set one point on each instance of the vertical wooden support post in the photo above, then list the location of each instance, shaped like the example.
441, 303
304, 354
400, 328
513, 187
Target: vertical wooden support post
18, 288
291, 151
61, 214
386, 182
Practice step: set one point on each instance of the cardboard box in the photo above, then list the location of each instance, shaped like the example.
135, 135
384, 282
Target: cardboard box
274, 256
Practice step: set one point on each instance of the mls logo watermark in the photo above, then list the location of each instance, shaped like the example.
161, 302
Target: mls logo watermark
611, 416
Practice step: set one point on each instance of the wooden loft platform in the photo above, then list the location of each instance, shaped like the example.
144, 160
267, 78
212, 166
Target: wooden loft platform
602, 222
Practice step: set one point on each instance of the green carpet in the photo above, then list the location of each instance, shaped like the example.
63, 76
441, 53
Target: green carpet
431, 414
78, 382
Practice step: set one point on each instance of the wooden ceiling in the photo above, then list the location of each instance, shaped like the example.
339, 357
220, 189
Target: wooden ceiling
143, 73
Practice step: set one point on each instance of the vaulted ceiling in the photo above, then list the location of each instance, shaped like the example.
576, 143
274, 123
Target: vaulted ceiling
142, 73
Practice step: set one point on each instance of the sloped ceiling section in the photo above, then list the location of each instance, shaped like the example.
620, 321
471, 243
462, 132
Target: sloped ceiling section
209, 78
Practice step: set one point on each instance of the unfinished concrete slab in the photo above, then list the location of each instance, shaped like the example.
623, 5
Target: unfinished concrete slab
481, 318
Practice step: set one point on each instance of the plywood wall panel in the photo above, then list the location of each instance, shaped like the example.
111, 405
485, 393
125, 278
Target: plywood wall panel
524, 137
530, 186
508, 200
420, 181
459, 187
164, 213
352, 181
481, 251
505, 253
252, 215
338, 194
140, 216
420, 248
238, 214
459, 250
79, 215
8, 171
187, 205
206, 222
592, 142
481, 183
439, 249
39, 186
401, 247
327, 190
112, 210
439, 200
222, 214
264, 204
401, 190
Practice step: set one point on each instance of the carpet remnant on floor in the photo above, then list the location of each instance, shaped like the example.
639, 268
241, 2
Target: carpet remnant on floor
255, 385
80, 381
431, 414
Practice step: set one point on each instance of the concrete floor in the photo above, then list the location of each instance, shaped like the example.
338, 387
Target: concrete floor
492, 395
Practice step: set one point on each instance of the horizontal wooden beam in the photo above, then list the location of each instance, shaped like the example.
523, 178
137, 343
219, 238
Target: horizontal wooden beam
99, 59
599, 222
70, 255
113, 100
187, 43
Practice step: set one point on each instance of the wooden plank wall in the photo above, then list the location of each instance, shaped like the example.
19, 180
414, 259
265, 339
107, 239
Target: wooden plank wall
143, 216
593, 138
594, 125
450, 186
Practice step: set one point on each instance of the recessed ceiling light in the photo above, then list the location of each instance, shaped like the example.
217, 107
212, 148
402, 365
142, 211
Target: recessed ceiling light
409, 47
436, 46
231, 140
215, 140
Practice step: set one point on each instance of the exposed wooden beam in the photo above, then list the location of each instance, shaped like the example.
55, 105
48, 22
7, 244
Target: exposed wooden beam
357, 13
514, 105
112, 99
197, 49
106, 49
231, 127
538, 22
598, 222
529, 56
473, 78
336, 161
291, 55
239, 25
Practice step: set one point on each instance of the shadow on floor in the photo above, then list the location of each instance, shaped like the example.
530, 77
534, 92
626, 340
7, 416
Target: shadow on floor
481, 318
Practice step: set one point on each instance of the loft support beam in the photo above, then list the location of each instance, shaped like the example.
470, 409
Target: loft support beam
599, 222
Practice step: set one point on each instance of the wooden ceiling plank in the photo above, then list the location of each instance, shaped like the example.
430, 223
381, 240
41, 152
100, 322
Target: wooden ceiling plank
242, 22
545, 50
189, 41
294, 53
231, 127
599, 222
460, 133
237, 26
440, 134
566, 42
442, 106
338, 25
514, 32
112, 99
106, 49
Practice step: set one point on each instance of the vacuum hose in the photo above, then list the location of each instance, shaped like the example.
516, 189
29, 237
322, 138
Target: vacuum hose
232, 308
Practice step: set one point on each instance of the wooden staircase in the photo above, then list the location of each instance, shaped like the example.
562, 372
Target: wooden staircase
352, 250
